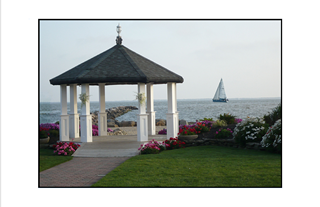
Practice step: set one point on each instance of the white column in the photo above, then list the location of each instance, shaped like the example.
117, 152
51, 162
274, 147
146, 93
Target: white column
64, 117
85, 117
142, 123
73, 115
177, 112
172, 116
150, 110
102, 116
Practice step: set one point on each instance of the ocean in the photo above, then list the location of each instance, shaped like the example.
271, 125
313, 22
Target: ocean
189, 109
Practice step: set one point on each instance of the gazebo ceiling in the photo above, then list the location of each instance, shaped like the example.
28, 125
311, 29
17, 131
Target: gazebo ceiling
118, 65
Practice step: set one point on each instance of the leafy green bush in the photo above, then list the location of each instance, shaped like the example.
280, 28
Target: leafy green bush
219, 123
275, 115
57, 122
54, 133
43, 134
250, 130
228, 118
223, 133
272, 139
206, 119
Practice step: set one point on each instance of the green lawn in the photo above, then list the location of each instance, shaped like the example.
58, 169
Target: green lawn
205, 166
48, 159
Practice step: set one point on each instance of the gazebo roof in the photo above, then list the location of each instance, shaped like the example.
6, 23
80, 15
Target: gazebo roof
118, 65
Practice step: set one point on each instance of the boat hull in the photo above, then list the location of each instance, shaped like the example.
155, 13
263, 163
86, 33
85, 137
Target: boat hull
220, 100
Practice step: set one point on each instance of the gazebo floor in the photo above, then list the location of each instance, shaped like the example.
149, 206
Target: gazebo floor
112, 146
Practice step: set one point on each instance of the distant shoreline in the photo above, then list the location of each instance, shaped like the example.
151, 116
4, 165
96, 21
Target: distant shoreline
200, 99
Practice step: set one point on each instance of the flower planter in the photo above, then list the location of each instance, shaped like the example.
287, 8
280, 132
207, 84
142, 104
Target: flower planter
187, 137
44, 140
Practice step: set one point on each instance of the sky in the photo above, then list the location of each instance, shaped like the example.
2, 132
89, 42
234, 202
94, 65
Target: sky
245, 54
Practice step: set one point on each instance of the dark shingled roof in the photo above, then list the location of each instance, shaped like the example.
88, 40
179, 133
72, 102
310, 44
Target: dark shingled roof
118, 65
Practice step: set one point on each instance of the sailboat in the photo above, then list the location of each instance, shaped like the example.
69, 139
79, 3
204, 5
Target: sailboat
220, 95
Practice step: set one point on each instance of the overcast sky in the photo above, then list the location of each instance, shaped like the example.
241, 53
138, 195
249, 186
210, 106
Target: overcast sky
246, 54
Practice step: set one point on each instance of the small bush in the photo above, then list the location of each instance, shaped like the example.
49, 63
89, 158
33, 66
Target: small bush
223, 133
275, 115
228, 118
219, 123
206, 119
250, 130
238, 120
64, 148
174, 143
54, 133
44, 134
201, 128
163, 131
272, 140
152, 147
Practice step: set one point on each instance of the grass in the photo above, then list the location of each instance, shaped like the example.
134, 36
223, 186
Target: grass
203, 166
48, 159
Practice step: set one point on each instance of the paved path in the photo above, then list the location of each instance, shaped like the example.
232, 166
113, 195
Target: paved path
92, 161
79, 172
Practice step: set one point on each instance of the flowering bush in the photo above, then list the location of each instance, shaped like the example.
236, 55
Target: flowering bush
223, 133
238, 120
272, 139
44, 132
152, 147
275, 115
64, 148
163, 131
174, 143
250, 130
207, 123
228, 118
201, 128
50, 126
194, 129
186, 130
219, 123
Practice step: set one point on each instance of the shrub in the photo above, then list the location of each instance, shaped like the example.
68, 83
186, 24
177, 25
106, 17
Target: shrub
152, 147
223, 133
206, 119
250, 130
54, 133
207, 123
238, 120
272, 139
163, 131
44, 132
219, 123
201, 128
228, 118
174, 143
64, 148
187, 130
50, 126
275, 115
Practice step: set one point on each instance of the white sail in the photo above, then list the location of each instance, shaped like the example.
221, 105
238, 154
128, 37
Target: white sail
216, 95
220, 93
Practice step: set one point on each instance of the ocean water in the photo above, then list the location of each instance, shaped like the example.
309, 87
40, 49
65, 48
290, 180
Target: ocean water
189, 110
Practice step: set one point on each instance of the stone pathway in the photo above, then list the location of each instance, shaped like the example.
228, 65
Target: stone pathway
79, 172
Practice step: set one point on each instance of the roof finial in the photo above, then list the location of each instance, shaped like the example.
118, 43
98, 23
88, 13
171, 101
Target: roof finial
119, 39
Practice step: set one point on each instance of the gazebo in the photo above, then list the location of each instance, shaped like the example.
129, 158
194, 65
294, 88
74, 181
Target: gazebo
115, 66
